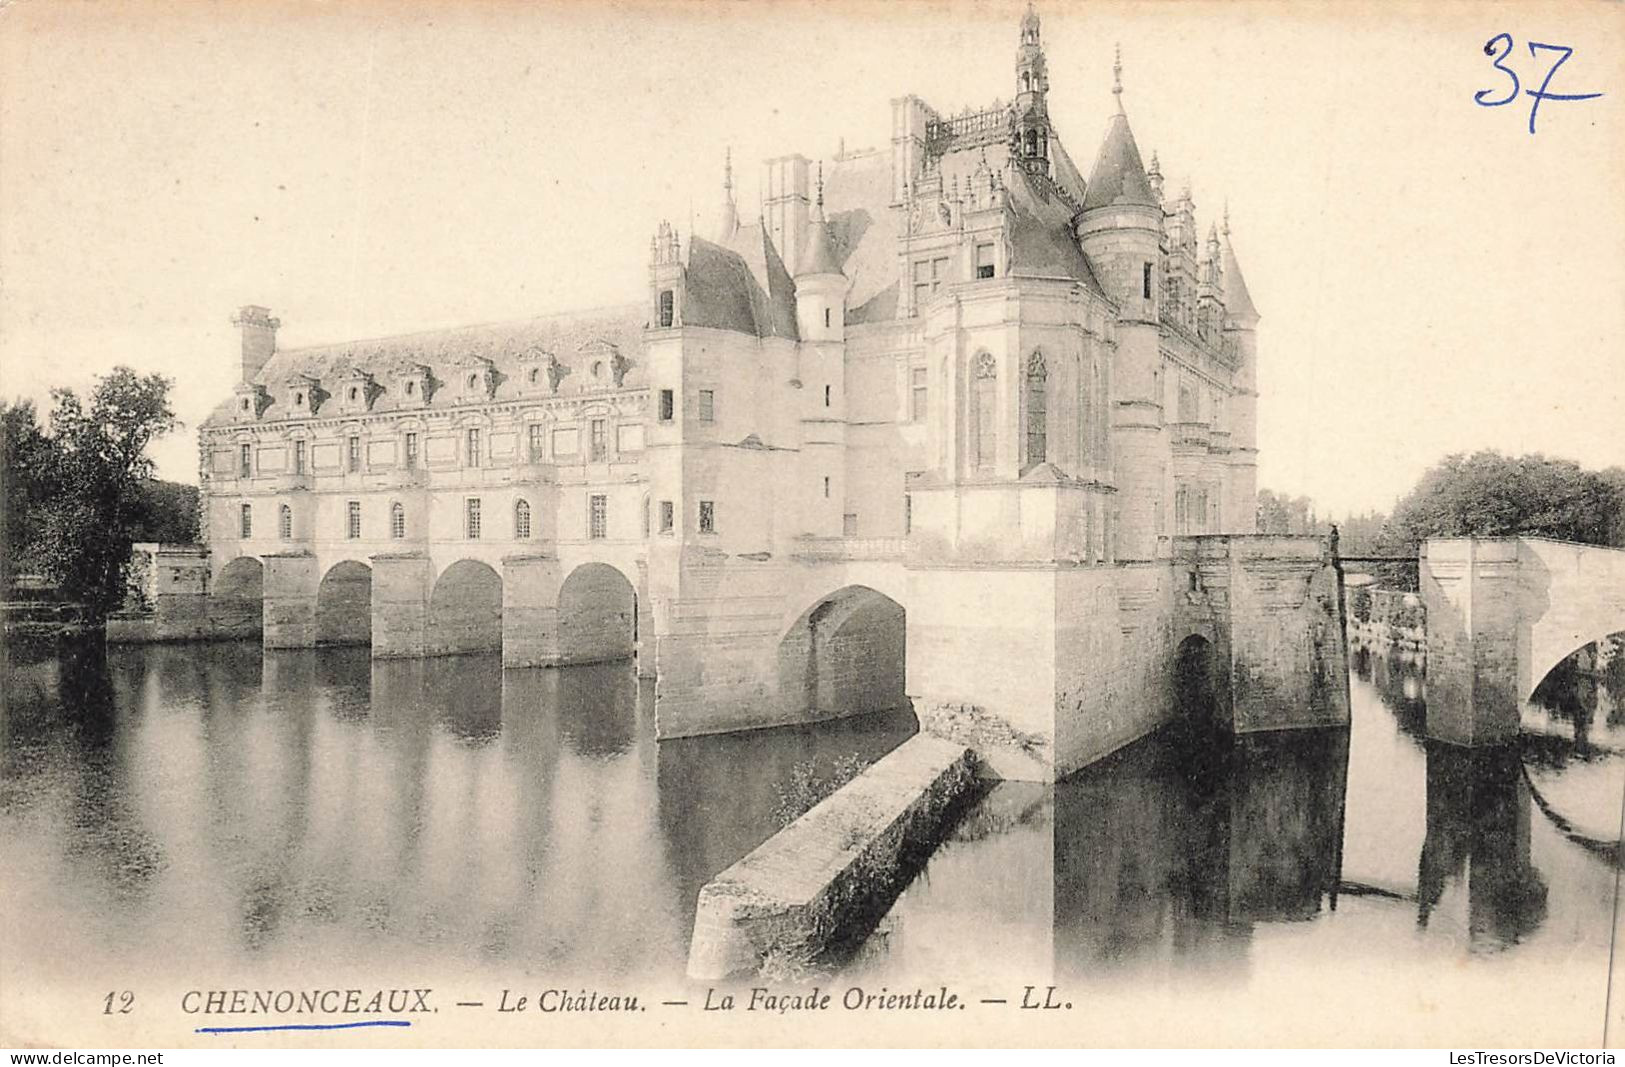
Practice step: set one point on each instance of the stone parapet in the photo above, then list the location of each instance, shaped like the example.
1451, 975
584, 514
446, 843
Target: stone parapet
831, 870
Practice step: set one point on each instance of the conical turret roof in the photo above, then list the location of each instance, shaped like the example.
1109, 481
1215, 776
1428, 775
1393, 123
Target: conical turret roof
818, 257
1237, 300
1119, 176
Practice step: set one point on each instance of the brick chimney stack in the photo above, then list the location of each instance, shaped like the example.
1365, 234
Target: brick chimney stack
259, 337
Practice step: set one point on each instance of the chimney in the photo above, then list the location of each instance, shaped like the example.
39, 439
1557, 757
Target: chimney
259, 337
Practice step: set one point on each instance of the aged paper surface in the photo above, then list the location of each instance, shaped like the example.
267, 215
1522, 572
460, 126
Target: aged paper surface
213, 843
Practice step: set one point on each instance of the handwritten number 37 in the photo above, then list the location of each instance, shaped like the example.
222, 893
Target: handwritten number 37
1504, 41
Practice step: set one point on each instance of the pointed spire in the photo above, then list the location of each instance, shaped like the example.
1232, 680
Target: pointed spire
1225, 229
1238, 301
730, 211
818, 257
1117, 79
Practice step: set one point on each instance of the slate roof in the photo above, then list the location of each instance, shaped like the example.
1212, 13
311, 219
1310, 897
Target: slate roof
1118, 175
1237, 300
741, 286
1042, 244
574, 339
863, 233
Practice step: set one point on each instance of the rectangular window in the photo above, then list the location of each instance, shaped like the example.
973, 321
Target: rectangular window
598, 440
535, 437
666, 516
285, 523
826, 318
1187, 403
411, 450
245, 461
473, 448
826, 487
916, 395
247, 521
708, 405
397, 521
849, 524
666, 406
353, 454
984, 261
598, 516
668, 307
908, 513
708, 517
471, 518
1145, 282
353, 520
826, 396
299, 457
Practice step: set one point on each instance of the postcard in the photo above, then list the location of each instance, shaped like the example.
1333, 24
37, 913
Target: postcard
756, 524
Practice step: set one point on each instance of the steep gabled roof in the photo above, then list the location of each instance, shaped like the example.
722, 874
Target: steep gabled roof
1119, 176
1042, 244
741, 287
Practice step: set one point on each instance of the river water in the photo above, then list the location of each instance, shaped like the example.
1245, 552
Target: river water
235, 812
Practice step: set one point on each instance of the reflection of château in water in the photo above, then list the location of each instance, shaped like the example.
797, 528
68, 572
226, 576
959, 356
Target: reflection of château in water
1191, 841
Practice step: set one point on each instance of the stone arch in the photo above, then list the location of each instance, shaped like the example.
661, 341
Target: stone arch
237, 598
598, 615
344, 605
1546, 661
1196, 680
844, 655
1553, 684
465, 610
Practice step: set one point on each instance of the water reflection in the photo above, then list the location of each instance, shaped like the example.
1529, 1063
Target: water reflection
285, 808
282, 809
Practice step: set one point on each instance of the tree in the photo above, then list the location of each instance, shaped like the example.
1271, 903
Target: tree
1487, 494
83, 533
1279, 513
26, 462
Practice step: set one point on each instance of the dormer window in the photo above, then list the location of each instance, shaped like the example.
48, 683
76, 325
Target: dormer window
668, 306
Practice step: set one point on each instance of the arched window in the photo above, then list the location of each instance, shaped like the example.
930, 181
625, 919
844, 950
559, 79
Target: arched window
1037, 379
984, 411
521, 521
284, 523
397, 521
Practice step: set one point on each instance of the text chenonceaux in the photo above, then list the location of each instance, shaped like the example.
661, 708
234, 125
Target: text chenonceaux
307, 1001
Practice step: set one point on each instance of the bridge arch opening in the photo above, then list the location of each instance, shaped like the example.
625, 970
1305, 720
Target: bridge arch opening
845, 655
237, 598
465, 610
344, 605
598, 615
1196, 681
1588, 680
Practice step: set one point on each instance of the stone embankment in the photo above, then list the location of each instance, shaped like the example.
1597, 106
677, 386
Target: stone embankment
807, 888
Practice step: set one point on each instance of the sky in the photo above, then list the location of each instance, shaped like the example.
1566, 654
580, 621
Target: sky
1432, 278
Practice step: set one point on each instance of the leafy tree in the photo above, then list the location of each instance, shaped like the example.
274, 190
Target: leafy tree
1487, 494
1279, 513
27, 460
83, 533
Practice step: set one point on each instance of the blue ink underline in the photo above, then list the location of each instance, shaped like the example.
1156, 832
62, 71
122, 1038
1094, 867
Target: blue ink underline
299, 1026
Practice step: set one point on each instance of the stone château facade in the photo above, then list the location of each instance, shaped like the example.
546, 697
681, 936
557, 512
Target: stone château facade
949, 394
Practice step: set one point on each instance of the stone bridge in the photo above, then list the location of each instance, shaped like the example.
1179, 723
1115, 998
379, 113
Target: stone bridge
1039, 667
1501, 613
